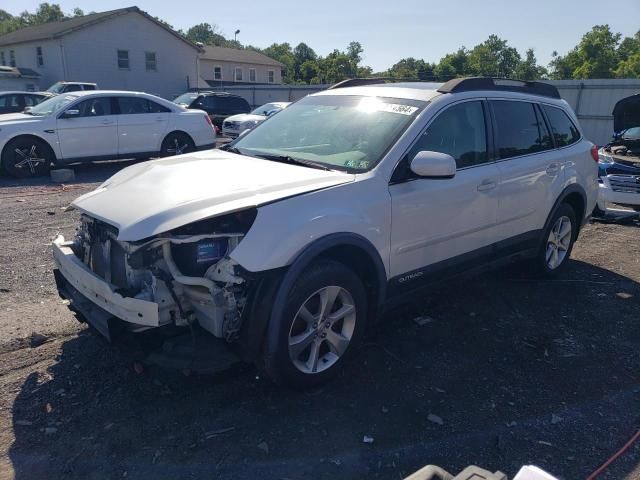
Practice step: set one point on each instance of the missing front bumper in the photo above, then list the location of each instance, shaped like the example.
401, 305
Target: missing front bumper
94, 298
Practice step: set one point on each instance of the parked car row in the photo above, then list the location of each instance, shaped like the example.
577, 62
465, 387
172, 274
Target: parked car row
98, 125
73, 122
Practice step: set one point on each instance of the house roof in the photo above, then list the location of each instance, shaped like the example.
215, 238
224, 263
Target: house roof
224, 54
51, 30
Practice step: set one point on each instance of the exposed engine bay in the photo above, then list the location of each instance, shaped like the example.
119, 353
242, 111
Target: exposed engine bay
187, 271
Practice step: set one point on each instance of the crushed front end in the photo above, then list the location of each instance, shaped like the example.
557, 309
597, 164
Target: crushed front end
176, 279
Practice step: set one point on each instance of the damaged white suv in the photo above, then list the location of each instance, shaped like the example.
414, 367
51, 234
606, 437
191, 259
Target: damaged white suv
299, 233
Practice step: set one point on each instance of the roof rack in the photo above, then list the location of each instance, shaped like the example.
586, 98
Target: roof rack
356, 82
499, 84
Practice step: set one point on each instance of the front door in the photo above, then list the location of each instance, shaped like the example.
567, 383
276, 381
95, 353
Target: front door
440, 225
142, 125
88, 129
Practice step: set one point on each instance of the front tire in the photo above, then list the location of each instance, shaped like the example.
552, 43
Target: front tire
177, 143
26, 157
558, 240
322, 324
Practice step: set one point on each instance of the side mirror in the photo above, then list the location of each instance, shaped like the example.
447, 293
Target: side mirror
26, 109
429, 164
72, 112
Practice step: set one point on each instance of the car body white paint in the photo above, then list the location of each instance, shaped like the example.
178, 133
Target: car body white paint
77, 139
411, 225
174, 191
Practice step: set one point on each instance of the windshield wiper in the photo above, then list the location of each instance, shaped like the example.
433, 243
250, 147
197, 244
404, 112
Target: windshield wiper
295, 161
228, 148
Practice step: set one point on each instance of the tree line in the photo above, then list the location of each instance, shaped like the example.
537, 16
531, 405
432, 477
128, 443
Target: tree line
601, 53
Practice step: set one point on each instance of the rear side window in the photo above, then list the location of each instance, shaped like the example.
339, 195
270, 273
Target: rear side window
137, 105
72, 88
520, 129
459, 131
564, 130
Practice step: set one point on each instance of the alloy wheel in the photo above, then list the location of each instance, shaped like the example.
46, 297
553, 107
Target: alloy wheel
177, 147
28, 158
322, 329
558, 242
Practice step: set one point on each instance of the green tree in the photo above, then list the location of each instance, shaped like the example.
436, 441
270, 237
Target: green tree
493, 58
207, 34
596, 56
528, 69
453, 65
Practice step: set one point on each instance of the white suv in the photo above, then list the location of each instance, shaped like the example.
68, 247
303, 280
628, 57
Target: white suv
299, 234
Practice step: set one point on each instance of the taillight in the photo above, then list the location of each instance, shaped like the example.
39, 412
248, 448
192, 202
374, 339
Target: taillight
208, 119
594, 153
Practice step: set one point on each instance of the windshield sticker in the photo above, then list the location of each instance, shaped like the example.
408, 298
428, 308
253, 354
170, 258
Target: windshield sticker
398, 108
370, 105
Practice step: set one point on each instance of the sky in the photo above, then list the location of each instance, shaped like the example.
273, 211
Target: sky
388, 30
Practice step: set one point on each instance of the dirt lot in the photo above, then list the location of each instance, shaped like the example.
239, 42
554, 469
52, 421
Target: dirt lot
519, 371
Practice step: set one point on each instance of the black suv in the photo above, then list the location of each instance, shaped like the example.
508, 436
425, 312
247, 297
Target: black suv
218, 105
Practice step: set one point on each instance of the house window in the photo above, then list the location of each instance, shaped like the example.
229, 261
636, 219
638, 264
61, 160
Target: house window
272, 76
3, 61
12, 58
39, 56
237, 74
217, 73
252, 74
150, 60
123, 59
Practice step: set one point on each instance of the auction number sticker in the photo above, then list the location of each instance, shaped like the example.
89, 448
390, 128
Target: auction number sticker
397, 108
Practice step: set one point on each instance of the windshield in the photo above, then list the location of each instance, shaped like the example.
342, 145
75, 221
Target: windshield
185, 99
56, 88
267, 108
342, 132
51, 105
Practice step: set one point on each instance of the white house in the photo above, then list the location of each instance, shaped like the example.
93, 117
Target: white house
119, 49
221, 66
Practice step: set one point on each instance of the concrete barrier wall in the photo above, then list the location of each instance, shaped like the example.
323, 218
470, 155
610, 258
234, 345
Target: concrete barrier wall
592, 100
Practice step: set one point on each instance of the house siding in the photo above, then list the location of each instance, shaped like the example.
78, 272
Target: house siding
50, 72
90, 55
228, 68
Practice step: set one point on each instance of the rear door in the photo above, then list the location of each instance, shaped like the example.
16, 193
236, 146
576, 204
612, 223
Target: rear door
441, 225
142, 124
531, 171
93, 132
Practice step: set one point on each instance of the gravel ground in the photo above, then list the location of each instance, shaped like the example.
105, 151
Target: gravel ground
511, 371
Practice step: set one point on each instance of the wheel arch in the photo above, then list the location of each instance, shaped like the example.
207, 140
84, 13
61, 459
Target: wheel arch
351, 249
29, 135
575, 196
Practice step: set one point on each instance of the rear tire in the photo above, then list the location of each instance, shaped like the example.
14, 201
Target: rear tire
557, 244
177, 143
26, 157
322, 324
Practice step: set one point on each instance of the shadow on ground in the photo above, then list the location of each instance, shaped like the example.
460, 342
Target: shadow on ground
519, 371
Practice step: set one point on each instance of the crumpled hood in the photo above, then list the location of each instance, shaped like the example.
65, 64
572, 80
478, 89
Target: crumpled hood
156, 196
245, 117
18, 117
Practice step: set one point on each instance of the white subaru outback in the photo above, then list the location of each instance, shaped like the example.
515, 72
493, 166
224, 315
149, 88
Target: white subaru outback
299, 233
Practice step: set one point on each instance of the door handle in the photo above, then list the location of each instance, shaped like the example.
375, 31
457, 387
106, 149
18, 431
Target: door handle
553, 169
486, 185
160, 119
107, 122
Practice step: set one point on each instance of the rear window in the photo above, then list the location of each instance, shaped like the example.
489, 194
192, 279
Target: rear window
138, 105
520, 129
564, 130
